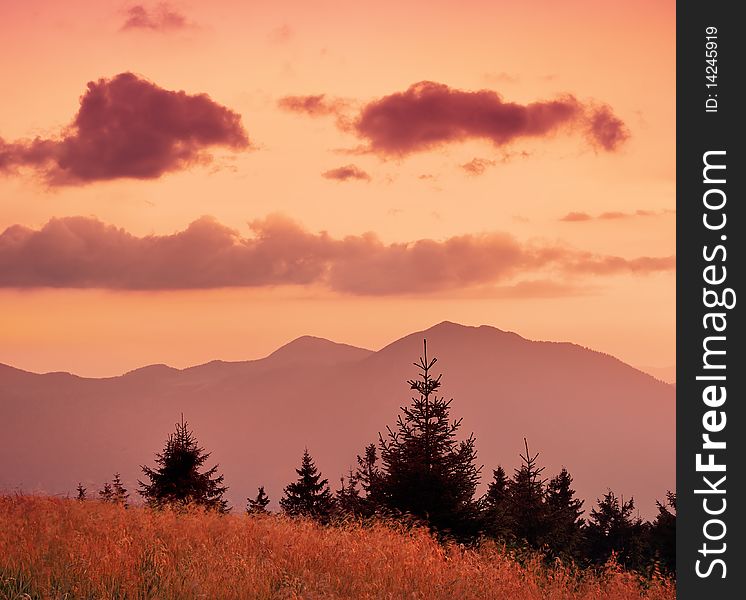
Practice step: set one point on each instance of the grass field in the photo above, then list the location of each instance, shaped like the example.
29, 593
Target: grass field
59, 548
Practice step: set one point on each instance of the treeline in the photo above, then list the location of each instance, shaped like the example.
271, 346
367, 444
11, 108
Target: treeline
419, 471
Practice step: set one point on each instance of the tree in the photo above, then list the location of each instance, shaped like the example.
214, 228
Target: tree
347, 499
613, 530
498, 520
82, 492
106, 494
178, 479
427, 473
369, 476
564, 516
663, 533
309, 496
119, 492
258, 505
527, 502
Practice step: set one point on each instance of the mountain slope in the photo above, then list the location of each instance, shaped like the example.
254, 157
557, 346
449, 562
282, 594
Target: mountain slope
608, 423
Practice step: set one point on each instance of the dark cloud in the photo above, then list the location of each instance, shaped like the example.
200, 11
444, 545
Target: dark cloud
162, 17
314, 105
128, 127
82, 252
429, 115
346, 173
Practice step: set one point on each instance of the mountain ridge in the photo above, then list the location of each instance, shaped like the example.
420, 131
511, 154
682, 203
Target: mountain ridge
580, 408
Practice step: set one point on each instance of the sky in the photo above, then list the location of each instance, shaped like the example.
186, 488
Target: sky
189, 181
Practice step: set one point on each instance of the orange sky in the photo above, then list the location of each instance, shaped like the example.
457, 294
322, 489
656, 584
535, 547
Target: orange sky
247, 56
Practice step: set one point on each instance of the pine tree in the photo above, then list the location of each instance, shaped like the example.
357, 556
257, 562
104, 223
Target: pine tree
347, 499
258, 505
368, 475
613, 529
564, 516
663, 533
118, 491
427, 473
178, 480
498, 521
82, 493
106, 494
527, 502
309, 496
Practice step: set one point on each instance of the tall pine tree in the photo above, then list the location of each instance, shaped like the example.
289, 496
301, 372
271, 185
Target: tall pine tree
178, 479
527, 502
309, 495
426, 471
564, 512
496, 513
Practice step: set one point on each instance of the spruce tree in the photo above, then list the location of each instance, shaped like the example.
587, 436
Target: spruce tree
368, 475
347, 499
82, 492
498, 520
426, 472
613, 529
309, 496
663, 533
258, 505
564, 512
527, 502
119, 492
178, 479
106, 493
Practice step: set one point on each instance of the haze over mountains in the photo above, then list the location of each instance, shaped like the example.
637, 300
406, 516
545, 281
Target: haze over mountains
611, 425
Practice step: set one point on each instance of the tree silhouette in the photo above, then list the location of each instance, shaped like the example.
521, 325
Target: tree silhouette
82, 492
178, 480
258, 505
309, 496
106, 493
613, 529
564, 516
347, 499
426, 471
497, 518
119, 492
663, 533
527, 503
368, 475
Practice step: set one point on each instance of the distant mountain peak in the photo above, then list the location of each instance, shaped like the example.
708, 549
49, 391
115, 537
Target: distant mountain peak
316, 349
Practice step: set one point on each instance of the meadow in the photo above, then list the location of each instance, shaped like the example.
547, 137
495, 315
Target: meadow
57, 548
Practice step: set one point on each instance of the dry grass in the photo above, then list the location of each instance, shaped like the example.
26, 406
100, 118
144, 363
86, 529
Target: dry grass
56, 548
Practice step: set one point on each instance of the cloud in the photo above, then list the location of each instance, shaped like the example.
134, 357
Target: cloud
605, 129
429, 115
577, 217
346, 173
574, 217
477, 166
163, 17
314, 105
128, 127
83, 252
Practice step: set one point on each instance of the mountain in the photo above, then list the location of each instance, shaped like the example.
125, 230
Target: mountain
611, 425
